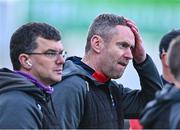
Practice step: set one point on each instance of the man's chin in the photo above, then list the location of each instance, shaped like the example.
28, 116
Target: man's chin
57, 79
117, 76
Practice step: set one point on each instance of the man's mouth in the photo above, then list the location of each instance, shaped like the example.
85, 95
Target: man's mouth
122, 64
58, 71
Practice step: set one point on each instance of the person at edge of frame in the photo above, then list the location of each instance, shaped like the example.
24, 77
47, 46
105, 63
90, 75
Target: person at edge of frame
37, 56
162, 112
166, 76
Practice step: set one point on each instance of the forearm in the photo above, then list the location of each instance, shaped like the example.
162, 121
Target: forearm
149, 78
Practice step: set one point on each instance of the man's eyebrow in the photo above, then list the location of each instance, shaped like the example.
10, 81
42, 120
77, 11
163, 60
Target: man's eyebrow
125, 43
122, 43
52, 50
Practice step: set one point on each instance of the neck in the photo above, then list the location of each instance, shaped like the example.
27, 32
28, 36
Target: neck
33, 75
91, 62
167, 75
39, 84
98, 75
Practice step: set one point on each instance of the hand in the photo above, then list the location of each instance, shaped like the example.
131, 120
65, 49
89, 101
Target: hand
138, 52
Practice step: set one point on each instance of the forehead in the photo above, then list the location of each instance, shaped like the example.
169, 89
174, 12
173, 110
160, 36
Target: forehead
45, 44
124, 34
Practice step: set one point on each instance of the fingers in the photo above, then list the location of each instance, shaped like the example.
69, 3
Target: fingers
134, 29
138, 52
137, 35
131, 24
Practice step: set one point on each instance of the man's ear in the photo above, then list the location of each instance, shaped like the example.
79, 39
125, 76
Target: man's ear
97, 43
25, 61
164, 59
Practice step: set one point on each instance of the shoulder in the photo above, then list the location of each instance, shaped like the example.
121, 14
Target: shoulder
18, 100
71, 89
74, 83
16, 96
68, 99
20, 109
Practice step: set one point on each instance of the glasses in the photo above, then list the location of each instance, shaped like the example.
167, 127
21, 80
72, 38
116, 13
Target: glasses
50, 54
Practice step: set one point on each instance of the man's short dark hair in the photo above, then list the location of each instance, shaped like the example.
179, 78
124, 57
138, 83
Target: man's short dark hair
174, 58
102, 26
166, 40
24, 38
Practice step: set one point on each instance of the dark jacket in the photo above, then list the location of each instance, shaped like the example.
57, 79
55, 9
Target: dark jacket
82, 102
22, 104
163, 111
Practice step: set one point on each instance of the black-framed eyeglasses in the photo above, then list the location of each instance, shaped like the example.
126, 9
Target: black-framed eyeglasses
50, 54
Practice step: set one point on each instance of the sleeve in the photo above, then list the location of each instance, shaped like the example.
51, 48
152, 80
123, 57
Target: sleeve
19, 111
68, 99
134, 101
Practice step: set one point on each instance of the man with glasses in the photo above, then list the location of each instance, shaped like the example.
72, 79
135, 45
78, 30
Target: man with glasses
37, 56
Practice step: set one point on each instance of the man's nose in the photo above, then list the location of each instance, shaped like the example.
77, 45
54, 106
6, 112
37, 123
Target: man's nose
128, 54
60, 59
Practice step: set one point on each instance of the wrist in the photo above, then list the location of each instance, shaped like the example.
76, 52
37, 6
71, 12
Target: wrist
140, 59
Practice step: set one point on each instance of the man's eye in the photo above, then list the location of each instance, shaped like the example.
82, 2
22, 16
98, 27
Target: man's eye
51, 54
123, 46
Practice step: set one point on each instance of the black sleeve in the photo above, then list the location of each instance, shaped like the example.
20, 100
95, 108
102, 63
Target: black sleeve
135, 100
150, 79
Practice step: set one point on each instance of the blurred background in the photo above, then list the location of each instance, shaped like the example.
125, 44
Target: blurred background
73, 17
